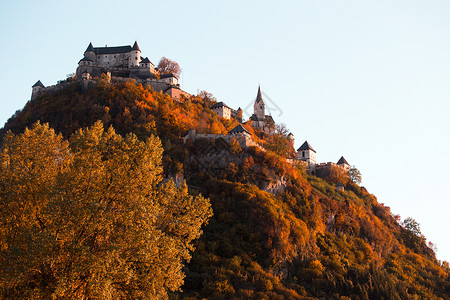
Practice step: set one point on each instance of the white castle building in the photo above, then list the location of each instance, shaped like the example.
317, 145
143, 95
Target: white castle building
120, 63
259, 119
307, 154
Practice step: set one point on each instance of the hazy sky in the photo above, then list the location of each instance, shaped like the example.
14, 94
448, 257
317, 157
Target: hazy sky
365, 79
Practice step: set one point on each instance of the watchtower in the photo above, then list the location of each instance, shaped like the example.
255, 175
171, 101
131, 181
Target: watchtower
307, 153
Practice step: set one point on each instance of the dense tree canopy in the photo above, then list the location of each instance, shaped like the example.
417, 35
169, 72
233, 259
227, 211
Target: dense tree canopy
91, 219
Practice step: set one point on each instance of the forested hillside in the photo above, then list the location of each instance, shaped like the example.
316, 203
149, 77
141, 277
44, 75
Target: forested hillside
275, 232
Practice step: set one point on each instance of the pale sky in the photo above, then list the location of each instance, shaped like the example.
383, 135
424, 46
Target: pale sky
365, 79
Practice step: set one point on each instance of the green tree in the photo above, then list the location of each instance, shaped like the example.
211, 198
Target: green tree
91, 219
413, 238
412, 225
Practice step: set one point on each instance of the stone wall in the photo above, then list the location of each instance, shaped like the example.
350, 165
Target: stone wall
38, 92
243, 139
113, 60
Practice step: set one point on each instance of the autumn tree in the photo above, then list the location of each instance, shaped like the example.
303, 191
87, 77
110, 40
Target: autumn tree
279, 143
355, 175
91, 218
168, 66
338, 174
207, 98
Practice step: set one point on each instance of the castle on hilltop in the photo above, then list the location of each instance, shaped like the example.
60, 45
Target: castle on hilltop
123, 63
119, 63
265, 123
259, 120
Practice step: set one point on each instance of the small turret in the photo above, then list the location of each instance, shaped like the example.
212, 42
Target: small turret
239, 115
85, 75
90, 53
291, 139
135, 57
239, 130
343, 163
136, 47
37, 89
307, 153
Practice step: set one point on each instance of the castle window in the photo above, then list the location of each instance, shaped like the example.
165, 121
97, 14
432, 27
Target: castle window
303, 153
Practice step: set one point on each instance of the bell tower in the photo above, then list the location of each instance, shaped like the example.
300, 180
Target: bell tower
258, 106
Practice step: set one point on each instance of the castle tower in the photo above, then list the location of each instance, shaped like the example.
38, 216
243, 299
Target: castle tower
239, 115
343, 163
258, 106
307, 153
89, 53
37, 89
85, 75
135, 56
291, 139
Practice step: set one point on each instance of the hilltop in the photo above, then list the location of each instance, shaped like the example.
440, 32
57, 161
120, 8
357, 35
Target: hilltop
278, 232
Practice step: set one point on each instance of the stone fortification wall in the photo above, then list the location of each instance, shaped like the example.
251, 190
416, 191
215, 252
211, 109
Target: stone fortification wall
323, 170
50, 89
157, 85
243, 139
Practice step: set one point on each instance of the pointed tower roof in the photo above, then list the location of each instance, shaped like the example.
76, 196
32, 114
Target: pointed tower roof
136, 47
39, 83
342, 161
90, 48
258, 95
219, 104
306, 146
238, 129
85, 59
